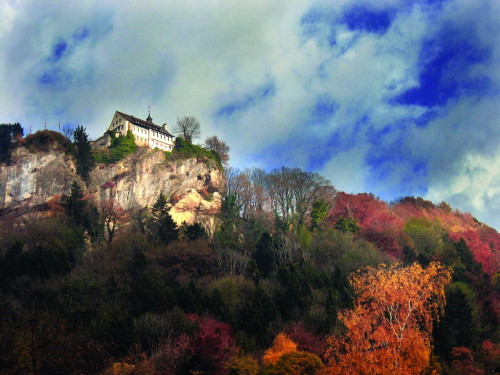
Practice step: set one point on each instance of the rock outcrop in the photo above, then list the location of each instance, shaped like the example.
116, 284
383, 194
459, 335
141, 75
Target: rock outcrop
33, 179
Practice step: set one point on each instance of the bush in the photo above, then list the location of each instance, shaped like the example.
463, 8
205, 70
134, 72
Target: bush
46, 140
186, 150
120, 147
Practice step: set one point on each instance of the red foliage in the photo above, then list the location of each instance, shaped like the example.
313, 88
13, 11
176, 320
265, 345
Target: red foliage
54, 205
490, 356
482, 240
304, 339
463, 362
481, 249
378, 224
213, 344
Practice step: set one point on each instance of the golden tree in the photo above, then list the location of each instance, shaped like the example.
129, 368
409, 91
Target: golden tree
389, 329
282, 344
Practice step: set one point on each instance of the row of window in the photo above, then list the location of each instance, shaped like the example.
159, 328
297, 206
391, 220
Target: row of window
155, 134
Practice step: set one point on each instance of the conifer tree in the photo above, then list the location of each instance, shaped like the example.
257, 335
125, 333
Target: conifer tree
84, 161
162, 227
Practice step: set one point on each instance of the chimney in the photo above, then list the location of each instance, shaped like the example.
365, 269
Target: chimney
165, 127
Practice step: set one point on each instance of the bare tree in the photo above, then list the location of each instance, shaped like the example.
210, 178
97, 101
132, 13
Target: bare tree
293, 191
219, 148
187, 127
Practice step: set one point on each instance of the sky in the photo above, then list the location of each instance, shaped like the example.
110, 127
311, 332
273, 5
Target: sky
391, 97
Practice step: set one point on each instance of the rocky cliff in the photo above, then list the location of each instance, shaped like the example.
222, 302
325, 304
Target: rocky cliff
33, 179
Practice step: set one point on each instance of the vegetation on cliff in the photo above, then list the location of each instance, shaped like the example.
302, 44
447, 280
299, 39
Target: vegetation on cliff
119, 148
185, 150
294, 278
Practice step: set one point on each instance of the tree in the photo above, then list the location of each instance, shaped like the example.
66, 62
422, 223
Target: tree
389, 329
74, 204
113, 216
219, 148
194, 231
84, 160
295, 363
188, 127
463, 362
83, 214
318, 213
282, 344
162, 228
292, 193
9, 134
212, 346
347, 225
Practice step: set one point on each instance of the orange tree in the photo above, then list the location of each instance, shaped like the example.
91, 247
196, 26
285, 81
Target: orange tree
389, 329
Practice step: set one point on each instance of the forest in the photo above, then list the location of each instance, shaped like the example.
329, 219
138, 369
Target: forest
294, 278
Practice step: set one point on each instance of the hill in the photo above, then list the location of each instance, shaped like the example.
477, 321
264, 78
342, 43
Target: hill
271, 273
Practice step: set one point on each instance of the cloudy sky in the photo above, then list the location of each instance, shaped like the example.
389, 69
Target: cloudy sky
391, 97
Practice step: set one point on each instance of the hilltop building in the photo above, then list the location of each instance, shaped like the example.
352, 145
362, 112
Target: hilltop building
146, 132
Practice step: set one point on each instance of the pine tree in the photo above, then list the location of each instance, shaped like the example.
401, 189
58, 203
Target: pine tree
84, 161
162, 227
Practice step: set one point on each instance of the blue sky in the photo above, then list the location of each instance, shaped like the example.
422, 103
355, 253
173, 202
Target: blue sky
391, 97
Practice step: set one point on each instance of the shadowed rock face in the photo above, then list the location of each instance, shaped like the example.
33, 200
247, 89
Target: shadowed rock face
135, 182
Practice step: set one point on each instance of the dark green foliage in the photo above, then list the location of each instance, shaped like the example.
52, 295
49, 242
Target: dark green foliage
149, 294
295, 295
51, 248
347, 225
259, 311
82, 213
263, 254
459, 325
466, 257
194, 232
9, 135
161, 227
74, 204
120, 147
83, 154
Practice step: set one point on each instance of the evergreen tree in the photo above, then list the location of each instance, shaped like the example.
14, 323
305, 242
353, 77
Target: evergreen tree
9, 133
73, 204
84, 160
263, 254
162, 228
83, 214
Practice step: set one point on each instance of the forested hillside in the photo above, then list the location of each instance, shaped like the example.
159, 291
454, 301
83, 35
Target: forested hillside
294, 278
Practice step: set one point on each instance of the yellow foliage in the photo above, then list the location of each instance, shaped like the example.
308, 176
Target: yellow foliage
120, 368
389, 330
282, 344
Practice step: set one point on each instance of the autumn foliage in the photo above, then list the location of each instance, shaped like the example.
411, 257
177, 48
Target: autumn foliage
389, 329
282, 344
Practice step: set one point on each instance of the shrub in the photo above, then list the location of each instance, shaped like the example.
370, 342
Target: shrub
186, 150
46, 140
120, 147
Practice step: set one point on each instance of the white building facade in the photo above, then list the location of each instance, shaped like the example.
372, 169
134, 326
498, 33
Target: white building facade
146, 133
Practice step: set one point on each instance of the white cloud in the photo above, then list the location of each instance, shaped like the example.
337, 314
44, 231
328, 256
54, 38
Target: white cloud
195, 57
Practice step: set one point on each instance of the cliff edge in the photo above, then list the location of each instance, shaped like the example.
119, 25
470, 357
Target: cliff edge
34, 178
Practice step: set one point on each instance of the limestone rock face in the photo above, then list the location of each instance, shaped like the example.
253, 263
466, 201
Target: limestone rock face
135, 182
